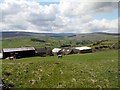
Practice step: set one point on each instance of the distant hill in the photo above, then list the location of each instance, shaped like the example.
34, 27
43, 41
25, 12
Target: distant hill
87, 36
106, 33
18, 39
16, 34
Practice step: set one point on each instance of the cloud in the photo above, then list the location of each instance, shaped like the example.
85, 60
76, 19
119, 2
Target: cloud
81, 8
76, 17
103, 25
43, 16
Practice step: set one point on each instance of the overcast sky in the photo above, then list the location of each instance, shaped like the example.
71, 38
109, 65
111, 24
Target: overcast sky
58, 16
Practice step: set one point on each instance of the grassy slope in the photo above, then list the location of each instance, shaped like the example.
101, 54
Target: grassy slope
55, 42
0, 68
26, 41
81, 70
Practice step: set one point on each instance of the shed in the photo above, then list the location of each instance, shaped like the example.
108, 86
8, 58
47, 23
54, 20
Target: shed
55, 51
66, 51
43, 51
1, 55
116, 45
76, 51
84, 49
19, 52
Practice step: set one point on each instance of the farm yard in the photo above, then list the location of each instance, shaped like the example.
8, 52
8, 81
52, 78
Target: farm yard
91, 70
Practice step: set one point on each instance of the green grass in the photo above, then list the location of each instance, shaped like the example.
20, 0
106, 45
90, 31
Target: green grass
0, 68
26, 41
55, 42
90, 70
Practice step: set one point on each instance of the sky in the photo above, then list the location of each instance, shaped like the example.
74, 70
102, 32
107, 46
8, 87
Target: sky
58, 16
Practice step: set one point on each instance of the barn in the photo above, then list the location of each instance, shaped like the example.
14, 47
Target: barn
43, 51
18, 52
83, 49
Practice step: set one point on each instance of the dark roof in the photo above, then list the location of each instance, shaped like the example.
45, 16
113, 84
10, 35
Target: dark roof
47, 51
76, 51
41, 50
44, 48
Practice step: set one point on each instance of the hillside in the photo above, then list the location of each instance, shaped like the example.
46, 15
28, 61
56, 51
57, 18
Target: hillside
18, 39
16, 34
90, 70
93, 70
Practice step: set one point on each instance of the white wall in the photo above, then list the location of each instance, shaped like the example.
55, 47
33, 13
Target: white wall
1, 55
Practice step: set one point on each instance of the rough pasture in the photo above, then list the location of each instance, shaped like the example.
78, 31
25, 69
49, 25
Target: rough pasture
90, 70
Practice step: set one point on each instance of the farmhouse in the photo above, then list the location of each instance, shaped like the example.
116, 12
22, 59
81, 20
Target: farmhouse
18, 52
83, 49
55, 51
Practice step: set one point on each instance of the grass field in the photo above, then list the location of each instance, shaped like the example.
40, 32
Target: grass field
56, 42
0, 68
90, 70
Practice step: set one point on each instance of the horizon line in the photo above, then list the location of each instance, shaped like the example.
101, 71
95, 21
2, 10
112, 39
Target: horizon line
63, 32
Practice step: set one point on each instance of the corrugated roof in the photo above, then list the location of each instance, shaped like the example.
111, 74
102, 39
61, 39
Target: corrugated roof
18, 49
83, 48
56, 50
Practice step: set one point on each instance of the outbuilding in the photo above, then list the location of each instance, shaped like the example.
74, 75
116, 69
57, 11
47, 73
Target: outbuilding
76, 51
1, 55
84, 49
66, 51
18, 52
56, 51
43, 51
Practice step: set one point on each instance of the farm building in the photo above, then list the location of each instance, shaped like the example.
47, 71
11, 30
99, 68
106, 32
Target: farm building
18, 52
55, 51
76, 51
66, 51
116, 45
1, 55
83, 49
43, 51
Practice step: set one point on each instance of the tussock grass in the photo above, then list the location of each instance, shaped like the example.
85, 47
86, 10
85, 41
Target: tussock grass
89, 70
